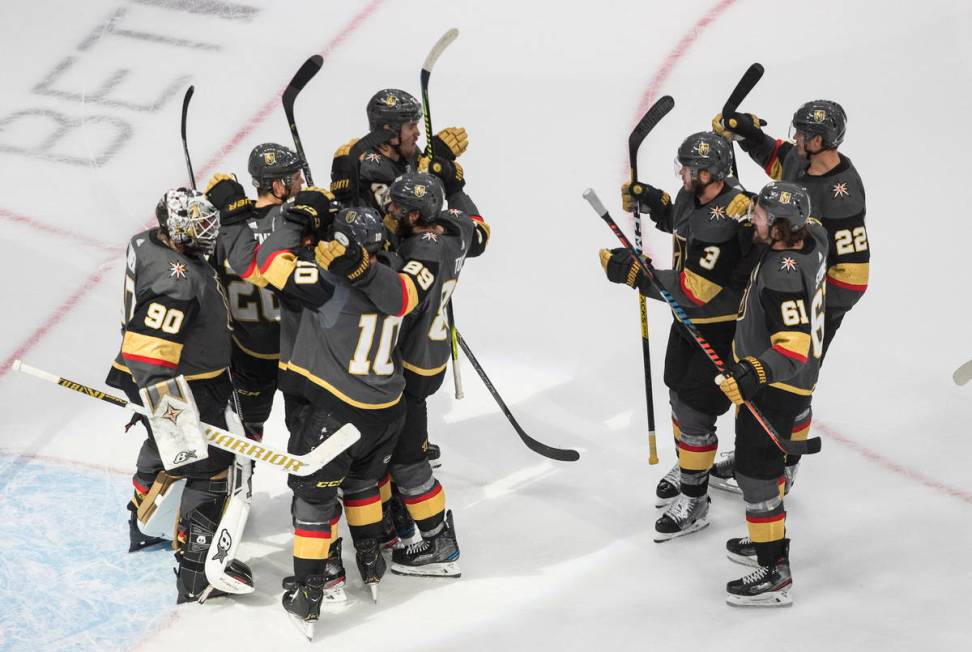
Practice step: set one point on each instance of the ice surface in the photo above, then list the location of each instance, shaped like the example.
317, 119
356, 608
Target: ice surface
554, 555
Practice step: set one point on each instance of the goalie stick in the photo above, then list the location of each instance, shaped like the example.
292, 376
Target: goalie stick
648, 121
963, 374
748, 81
559, 454
185, 143
306, 73
300, 465
444, 41
806, 447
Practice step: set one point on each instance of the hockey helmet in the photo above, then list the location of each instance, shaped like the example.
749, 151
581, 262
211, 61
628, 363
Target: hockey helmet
271, 161
821, 118
418, 191
364, 225
783, 199
392, 107
188, 220
706, 150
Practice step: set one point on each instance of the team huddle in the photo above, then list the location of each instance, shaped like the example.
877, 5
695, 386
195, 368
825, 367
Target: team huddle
765, 281
336, 298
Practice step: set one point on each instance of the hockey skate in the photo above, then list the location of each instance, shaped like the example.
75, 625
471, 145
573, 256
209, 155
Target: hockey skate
303, 602
434, 556
668, 487
767, 586
722, 475
434, 453
742, 551
684, 516
371, 564
136, 539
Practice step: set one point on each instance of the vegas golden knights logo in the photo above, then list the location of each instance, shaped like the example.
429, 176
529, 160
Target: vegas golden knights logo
269, 158
702, 148
819, 115
784, 197
390, 100
351, 216
420, 191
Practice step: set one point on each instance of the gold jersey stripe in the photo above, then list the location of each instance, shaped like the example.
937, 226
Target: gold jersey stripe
311, 547
410, 298
767, 531
203, 375
254, 354
855, 274
148, 346
794, 341
279, 269
699, 288
713, 320
424, 372
334, 390
792, 389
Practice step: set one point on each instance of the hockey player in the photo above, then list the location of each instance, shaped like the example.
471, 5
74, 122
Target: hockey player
777, 348
173, 359
441, 240
814, 161
254, 309
710, 258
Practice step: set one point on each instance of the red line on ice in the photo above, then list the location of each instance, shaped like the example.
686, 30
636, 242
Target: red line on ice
96, 277
73, 236
890, 465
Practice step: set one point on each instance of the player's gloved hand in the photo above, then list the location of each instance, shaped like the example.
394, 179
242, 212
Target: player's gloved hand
743, 381
650, 199
342, 256
738, 126
313, 208
622, 266
450, 172
225, 193
450, 143
739, 207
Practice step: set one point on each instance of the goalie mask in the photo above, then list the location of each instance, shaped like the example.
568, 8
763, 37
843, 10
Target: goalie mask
188, 219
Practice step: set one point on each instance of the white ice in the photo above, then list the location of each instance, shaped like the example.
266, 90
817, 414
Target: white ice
553, 555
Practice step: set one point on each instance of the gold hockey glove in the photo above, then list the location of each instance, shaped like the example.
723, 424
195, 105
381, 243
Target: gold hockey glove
451, 142
745, 379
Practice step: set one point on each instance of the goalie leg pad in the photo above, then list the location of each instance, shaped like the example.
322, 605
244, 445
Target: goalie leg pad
159, 507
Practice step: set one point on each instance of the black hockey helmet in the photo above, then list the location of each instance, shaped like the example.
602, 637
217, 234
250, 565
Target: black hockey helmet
187, 219
271, 161
706, 150
393, 107
418, 191
783, 199
364, 225
822, 118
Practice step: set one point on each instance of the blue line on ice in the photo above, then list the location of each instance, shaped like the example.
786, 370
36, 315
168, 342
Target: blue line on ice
67, 581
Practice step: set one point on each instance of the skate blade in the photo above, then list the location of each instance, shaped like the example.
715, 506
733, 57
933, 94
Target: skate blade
742, 559
446, 569
772, 599
729, 486
306, 627
373, 587
662, 537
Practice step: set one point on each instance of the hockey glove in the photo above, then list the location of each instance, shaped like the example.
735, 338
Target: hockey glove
622, 266
650, 200
738, 126
745, 379
738, 209
342, 256
314, 209
225, 193
174, 419
449, 171
450, 143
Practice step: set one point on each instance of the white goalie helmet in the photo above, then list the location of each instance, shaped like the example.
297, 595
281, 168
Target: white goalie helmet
188, 220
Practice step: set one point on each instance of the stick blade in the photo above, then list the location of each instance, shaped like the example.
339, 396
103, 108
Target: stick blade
327, 451
648, 121
444, 41
963, 374
301, 78
746, 84
185, 108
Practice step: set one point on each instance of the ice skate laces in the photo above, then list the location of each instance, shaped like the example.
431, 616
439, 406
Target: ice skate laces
417, 547
756, 576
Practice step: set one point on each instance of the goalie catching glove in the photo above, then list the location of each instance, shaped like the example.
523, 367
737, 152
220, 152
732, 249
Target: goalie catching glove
622, 266
225, 193
743, 381
174, 419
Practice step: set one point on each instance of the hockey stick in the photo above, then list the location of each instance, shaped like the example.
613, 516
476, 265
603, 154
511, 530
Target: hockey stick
748, 81
300, 465
963, 374
648, 121
806, 447
559, 454
185, 143
444, 41
296, 85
